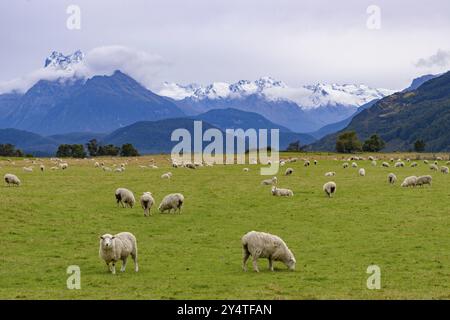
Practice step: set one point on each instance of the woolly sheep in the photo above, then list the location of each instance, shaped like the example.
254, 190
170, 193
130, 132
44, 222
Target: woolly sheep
54, 168
11, 179
42, 167
166, 175
425, 161
28, 169
414, 164
444, 170
354, 165
439, 158
190, 166
385, 164
392, 178
434, 167
118, 247
362, 172
424, 180
266, 245
147, 202
306, 163
63, 166
106, 168
119, 169
345, 165
399, 164
172, 201
125, 197
330, 174
371, 158
289, 171
96, 164
245, 169
315, 162
409, 182
282, 192
374, 163
329, 188
272, 181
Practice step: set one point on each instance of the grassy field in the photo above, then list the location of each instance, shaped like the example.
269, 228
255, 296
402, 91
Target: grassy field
54, 219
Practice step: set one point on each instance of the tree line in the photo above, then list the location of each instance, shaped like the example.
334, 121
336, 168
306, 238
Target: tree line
94, 149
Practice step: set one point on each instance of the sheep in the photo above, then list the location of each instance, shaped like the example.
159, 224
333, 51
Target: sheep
54, 168
399, 164
106, 168
245, 169
143, 167
282, 192
371, 158
125, 197
289, 171
444, 170
354, 165
439, 158
345, 165
409, 182
190, 166
167, 175
391, 160
28, 169
447, 163
42, 167
63, 165
392, 178
119, 169
147, 202
362, 172
414, 164
266, 245
424, 180
272, 181
315, 162
118, 247
172, 201
434, 167
330, 174
306, 163
374, 163
385, 164
12, 179
96, 164
153, 166
425, 161
329, 188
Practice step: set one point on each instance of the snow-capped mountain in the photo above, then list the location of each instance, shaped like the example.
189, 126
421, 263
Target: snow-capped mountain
59, 61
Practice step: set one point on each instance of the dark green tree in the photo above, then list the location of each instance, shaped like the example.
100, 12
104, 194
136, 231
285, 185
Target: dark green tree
128, 150
9, 150
92, 147
64, 150
108, 150
348, 142
373, 144
71, 150
419, 146
294, 146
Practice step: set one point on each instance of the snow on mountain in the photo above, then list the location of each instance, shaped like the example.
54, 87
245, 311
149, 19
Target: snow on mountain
307, 97
59, 61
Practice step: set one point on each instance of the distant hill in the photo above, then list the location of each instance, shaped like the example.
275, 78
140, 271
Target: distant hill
77, 137
404, 117
417, 82
28, 142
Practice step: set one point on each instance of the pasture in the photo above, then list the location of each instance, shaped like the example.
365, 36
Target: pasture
54, 220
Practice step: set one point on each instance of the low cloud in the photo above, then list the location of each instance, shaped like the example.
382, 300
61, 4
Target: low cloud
440, 59
142, 66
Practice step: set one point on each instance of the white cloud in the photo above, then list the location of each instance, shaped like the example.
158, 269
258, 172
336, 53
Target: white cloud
142, 66
440, 59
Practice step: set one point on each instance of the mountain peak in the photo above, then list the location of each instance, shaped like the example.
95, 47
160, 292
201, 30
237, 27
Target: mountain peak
60, 61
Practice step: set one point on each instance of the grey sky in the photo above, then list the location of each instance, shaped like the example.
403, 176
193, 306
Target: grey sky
202, 41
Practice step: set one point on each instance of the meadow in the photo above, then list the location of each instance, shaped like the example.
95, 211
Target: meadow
54, 220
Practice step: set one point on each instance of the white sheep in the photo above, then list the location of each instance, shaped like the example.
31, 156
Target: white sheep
118, 247
306, 163
120, 169
272, 181
63, 165
425, 161
385, 164
329, 188
371, 158
392, 178
444, 170
28, 169
409, 182
424, 180
266, 245
399, 164
172, 201
289, 171
315, 162
330, 174
125, 197
354, 165
362, 172
345, 165
147, 202
96, 164
414, 164
282, 192
166, 175
12, 179
106, 168
42, 167
246, 169
434, 167
374, 163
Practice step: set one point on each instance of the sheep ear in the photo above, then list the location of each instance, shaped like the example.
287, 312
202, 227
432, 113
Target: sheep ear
101, 237
113, 237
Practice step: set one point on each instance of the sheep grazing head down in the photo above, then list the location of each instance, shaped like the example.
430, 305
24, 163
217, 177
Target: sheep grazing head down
290, 263
106, 241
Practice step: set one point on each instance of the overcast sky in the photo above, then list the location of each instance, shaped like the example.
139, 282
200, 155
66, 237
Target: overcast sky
201, 41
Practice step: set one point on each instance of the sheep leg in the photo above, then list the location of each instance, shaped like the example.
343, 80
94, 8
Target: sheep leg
134, 256
124, 265
255, 264
113, 269
244, 259
270, 264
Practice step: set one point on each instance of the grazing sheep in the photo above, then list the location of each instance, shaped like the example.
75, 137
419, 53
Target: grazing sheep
119, 169
371, 158
399, 164
362, 172
118, 247
266, 245
315, 162
306, 163
54, 168
409, 182
374, 163
444, 170
272, 181
354, 165
106, 168
425, 161
125, 197
96, 164
385, 164
414, 164
447, 163
329, 188
345, 165
282, 192
391, 160
190, 166
439, 158
166, 175
63, 166
424, 180
289, 171
172, 201
330, 174
245, 169
392, 178
434, 167
147, 202
42, 167
11, 179
28, 169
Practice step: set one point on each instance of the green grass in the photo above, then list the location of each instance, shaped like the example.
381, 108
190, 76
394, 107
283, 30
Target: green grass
55, 219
